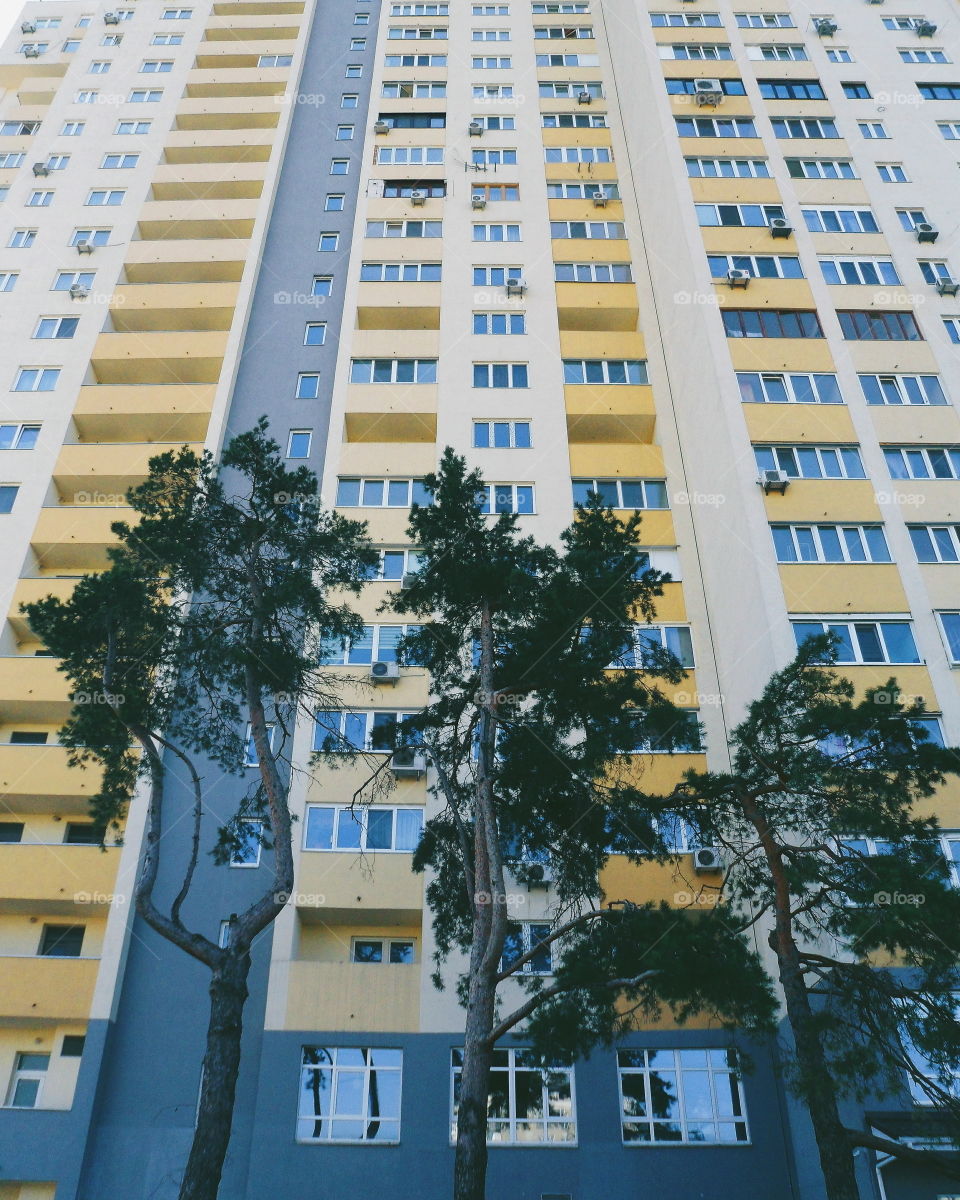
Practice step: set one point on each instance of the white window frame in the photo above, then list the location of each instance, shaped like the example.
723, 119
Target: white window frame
840, 530
850, 621
252, 829
386, 945
510, 1123
363, 1116
729, 1073
358, 816
21, 1074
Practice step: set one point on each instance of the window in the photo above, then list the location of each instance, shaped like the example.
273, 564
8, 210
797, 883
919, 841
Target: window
950, 627
275, 60
738, 214
402, 156
567, 60
146, 96
821, 168
308, 387
130, 127
892, 173
340, 166
727, 168
840, 220
358, 44
36, 379
61, 941
167, 39
604, 371
939, 91
557, 90
923, 462
872, 130
415, 60
871, 326
494, 122
490, 35
491, 10
577, 7
354, 71
490, 63
315, 333
377, 643
250, 757
99, 68
82, 833
497, 233
23, 737
419, 10
333, 202
698, 52
393, 370
405, 272
40, 199
380, 493
803, 127
498, 498
858, 270
394, 564
934, 271
8, 496
761, 266
764, 20
771, 323
830, 543
12, 159
522, 937
791, 89
111, 39
56, 327
493, 158
715, 127
177, 14
417, 33
119, 162
349, 1094
950, 130
391, 951
527, 1105
156, 66
839, 54
862, 641
498, 435
500, 375
592, 272
499, 322
72, 128
811, 462
609, 230
11, 832
8, 280
362, 827
929, 55
646, 645
328, 242
27, 1081
686, 20
902, 389
363, 730
345, 133
622, 493
298, 443
778, 52
910, 218
562, 32
692, 1097
18, 128
936, 543
573, 121
856, 91
104, 198
249, 842
577, 154
322, 285
411, 90
900, 23
58, 162
562, 190
495, 276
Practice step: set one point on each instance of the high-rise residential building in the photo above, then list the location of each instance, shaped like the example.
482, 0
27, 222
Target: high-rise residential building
698, 256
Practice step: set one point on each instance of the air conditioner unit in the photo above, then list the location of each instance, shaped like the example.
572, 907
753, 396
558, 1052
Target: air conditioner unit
707, 858
478, 200
948, 286
539, 875
824, 26
738, 278
41, 169
384, 672
600, 198
79, 292
475, 129
381, 127
584, 97
418, 198
925, 28
408, 763
708, 91
774, 481
31, 52
408, 581
780, 228
28, 27
926, 232
84, 247
874, 1
515, 286
111, 18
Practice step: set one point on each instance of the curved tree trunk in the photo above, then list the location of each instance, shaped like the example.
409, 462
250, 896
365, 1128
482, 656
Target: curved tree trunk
470, 1164
221, 1064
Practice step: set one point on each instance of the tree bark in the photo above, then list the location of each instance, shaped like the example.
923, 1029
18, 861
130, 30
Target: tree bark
470, 1165
221, 1064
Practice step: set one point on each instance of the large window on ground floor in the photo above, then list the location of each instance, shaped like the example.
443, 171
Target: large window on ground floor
681, 1096
527, 1105
349, 1094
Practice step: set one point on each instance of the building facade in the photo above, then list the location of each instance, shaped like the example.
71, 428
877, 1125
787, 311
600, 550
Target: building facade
696, 255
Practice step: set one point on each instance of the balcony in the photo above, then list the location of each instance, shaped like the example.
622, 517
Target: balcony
47, 989
227, 113
38, 779
844, 588
334, 886
257, 8
198, 181
182, 306
599, 307
249, 29
76, 536
201, 218
398, 306
32, 690
600, 413
185, 261
91, 469
163, 413
372, 997
159, 357
57, 880
246, 79
211, 146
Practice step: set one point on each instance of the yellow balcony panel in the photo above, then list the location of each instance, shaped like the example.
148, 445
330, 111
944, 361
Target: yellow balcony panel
642, 460
258, 8
731, 106
32, 690
397, 405
12, 74
56, 880
824, 500
786, 423
226, 113
596, 306
209, 181
831, 191
584, 210
29, 590
853, 243
249, 29
809, 108
575, 171
691, 147
942, 584
777, 354
158, 357
843, 588
210, 145
629, 345
909, 423
913, 681
387, 305
164, 413
105, 468
47, 989
400, 426
680, 68
612, 415
39, 779
347, 996
406, 343
766, 293
375, 460
591, 250
76, 536
878, 297
881, 357
746, 240
181, 306
245, 80
579, 137
333, 886
735, 191
185, 261
182, 219
651, 881
37, 90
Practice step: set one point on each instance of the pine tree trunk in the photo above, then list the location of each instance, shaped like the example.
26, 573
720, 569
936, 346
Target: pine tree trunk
221, 1065
470, 1165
